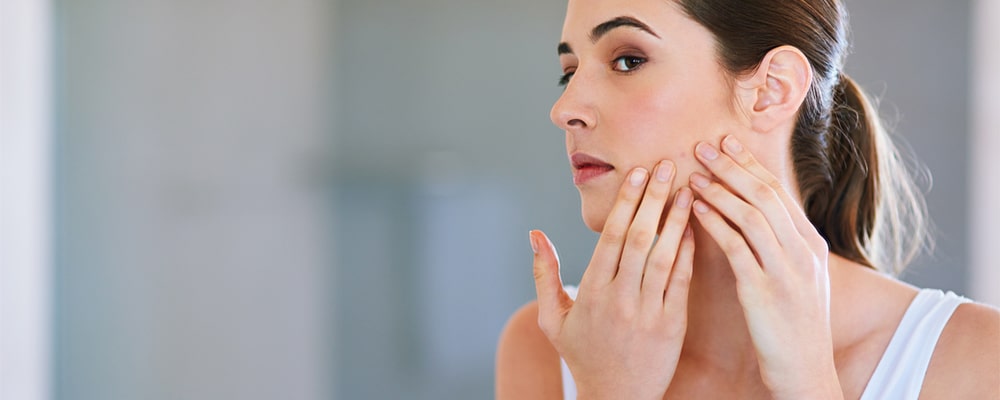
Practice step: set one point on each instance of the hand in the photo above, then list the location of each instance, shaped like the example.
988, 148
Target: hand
780, 263
622, 336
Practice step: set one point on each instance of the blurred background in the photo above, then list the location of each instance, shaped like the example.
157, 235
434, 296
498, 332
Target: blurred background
330, 199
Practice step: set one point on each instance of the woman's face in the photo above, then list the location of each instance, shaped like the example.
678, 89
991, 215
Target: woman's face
642, 85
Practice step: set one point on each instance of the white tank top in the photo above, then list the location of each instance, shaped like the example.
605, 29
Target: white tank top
900, 373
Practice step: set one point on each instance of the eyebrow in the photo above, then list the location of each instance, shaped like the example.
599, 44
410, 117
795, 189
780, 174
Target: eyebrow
607, 26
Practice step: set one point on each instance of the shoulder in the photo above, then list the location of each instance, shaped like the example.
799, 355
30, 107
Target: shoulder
527, 366
966, 360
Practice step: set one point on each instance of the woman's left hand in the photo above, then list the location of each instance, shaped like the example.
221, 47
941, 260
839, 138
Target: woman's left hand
780, 263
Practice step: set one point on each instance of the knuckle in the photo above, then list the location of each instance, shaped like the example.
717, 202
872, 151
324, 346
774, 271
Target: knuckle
640, 235
762, 192
539, 273
774, 184
629, 194
615, 236
682, 279
728, 167
661, 263
747, 159
732, 244
659, 190
748, 217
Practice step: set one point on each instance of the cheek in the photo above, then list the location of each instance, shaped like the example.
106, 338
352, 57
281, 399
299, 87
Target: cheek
667, 123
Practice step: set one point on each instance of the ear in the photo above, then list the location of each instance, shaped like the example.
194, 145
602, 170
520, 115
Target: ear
772, 96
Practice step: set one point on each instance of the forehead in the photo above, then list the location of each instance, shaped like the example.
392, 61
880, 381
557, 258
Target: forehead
584, 15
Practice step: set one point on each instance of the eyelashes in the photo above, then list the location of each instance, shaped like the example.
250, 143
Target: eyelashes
624, 64
627, 63
564, 79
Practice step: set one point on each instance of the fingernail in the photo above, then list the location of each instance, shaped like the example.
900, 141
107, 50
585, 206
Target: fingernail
664, 170
688, 232
534, 245
700, 180
732, 144
683, 198
700, 206
637, 177
707, 151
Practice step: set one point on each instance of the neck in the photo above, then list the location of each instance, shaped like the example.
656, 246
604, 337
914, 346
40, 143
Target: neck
717, 335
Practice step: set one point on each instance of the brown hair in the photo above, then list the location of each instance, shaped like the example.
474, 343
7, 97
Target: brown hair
854, 185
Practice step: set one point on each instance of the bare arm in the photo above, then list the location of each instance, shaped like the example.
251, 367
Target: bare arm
966, 360
527, 364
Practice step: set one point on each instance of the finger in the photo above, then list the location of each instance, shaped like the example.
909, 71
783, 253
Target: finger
752, 224
642, 231
759, 193
604, 263
666, 251
738, 153
553, 301
741, 258
676, 296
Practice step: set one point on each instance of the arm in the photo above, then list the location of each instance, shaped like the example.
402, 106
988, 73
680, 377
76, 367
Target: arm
527, 367
966, 360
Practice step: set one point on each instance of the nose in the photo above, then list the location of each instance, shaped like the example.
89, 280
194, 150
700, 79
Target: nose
574, 109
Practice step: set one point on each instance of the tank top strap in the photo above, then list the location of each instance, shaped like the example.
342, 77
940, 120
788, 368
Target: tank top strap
900, 373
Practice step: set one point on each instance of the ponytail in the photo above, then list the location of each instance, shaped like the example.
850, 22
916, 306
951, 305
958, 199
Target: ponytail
872, 211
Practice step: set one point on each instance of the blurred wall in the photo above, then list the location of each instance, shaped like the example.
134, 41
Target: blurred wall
985, 188
914, 55
447, 158
192, 217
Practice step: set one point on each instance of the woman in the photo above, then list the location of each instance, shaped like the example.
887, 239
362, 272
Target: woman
750, 208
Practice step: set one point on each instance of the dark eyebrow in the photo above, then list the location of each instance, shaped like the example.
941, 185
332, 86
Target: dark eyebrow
608, 26
564, 48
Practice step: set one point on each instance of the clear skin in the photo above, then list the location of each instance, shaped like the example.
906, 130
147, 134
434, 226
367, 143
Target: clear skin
737, 296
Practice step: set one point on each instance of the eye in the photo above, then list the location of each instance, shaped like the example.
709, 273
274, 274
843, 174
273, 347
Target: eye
564, 79
627, 63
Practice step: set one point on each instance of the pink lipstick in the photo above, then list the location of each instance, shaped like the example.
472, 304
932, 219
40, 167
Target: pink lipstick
587, 168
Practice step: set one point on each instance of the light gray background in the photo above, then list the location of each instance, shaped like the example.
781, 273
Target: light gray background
226, 171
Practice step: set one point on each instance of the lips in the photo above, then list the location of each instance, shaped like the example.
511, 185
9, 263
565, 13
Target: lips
587, 168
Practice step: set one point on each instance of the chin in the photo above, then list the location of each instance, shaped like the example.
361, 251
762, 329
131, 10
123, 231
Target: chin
595, 216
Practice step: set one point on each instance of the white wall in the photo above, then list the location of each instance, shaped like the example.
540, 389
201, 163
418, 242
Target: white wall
985, 183
193, 246
25, 148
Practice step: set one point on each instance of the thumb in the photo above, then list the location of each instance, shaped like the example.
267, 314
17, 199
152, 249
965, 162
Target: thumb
553, 302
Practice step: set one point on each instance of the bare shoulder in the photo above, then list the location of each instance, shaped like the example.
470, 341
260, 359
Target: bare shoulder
527, 366
966, 360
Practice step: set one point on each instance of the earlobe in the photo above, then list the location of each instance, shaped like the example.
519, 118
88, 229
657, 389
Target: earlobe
777, 88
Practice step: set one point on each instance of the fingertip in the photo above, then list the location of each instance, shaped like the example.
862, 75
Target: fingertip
542, 246
534, 240
700, 207
706, 151
732, 145
664, 171
638, 177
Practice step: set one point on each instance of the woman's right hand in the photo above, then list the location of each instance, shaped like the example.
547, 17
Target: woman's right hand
622, 336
